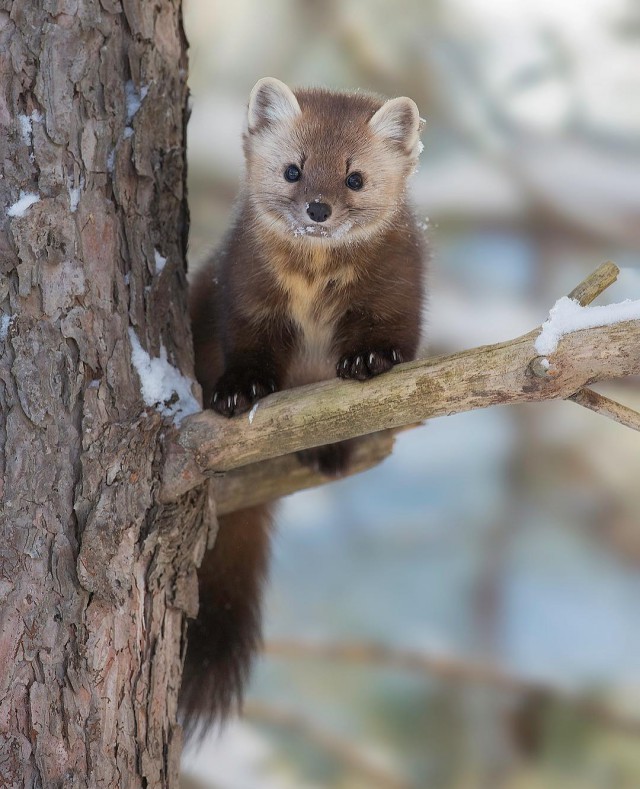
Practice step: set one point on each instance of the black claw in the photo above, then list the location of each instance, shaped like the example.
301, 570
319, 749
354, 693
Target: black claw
367, 364
236, 392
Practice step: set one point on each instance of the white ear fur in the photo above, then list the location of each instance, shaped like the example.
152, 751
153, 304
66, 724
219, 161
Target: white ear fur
271, 101
399, 120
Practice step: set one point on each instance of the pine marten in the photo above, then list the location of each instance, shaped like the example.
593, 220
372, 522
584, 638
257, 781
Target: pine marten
320, 275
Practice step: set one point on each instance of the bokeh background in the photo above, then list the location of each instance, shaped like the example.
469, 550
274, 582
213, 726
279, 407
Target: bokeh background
507, 538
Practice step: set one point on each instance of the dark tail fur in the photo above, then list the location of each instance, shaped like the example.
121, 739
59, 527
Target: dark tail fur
226, 635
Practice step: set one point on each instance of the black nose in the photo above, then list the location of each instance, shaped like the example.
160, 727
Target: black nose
319, 212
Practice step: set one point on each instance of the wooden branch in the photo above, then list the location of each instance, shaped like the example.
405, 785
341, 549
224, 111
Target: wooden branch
276, 477
449, 668
605, 406
584, 293
508, 372
446, 667
595, 284
335, 745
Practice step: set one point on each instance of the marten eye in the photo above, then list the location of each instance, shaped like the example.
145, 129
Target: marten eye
292, 173
354, 181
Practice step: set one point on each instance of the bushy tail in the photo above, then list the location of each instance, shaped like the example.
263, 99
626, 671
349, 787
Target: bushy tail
222, 641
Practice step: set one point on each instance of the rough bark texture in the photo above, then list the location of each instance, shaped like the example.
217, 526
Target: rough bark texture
95, 575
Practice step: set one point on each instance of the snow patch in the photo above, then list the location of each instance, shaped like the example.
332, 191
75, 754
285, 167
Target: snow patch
5, 322
134, 99
74, 199
25, 123
160, 261
342, 229
74, 193
25, 128
567, 316
161, 385
19, 208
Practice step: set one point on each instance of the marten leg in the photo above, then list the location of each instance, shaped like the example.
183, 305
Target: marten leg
331, 459
370, 344
252, 370
247, 378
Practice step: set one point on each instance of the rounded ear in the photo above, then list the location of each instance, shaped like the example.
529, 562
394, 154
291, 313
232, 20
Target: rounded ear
399, 120
271, 101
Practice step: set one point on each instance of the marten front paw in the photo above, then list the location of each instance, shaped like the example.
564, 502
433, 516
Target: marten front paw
366, 364
237, 391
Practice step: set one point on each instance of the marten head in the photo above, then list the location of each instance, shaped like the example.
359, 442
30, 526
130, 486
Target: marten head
328, 166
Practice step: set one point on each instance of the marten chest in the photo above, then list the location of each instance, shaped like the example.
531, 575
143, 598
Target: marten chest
314, 305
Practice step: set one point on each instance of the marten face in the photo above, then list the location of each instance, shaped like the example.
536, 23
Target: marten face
327, 166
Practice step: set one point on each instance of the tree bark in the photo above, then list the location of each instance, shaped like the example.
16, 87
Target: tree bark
95, 575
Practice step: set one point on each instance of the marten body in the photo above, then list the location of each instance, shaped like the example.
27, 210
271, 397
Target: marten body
321, 274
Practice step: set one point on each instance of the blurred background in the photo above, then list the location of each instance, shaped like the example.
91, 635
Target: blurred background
468, 613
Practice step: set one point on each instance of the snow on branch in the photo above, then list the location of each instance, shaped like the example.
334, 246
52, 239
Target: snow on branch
507, 372
568, 315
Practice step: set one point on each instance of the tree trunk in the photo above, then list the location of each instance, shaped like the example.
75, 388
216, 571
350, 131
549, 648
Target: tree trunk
95, 575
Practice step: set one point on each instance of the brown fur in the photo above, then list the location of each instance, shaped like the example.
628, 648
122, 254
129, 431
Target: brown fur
287, 301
